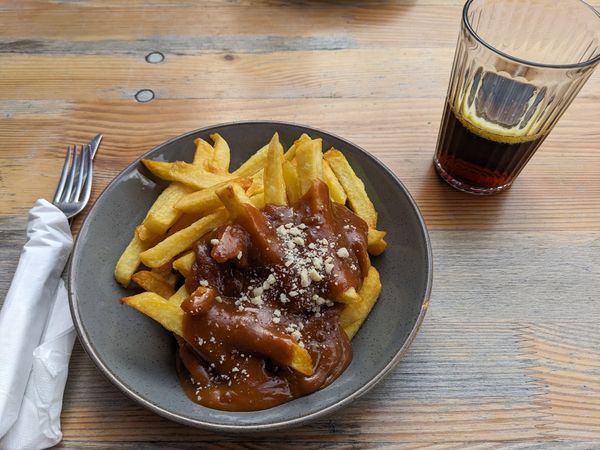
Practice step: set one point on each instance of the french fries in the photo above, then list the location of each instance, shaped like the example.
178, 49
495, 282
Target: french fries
179, 242
336, 190
143, 232
355, 189
291, 153
206, 200
354, 315
301, 361
169, 315
253, 164
376, 243
129, 261
292, 184
274, 184
349, 296
234, 198
153, 282
185, 173
258, 183
162, 214
309, 159
222, 153
178, 297
184, 263
204, 154
205, 195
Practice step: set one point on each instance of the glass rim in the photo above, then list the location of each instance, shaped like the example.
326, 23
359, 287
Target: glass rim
583, 64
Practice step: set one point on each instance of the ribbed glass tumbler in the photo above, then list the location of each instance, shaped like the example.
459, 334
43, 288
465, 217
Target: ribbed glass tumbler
517, 67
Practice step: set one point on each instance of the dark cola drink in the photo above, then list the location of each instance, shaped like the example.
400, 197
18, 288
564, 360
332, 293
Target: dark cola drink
484, 146
476, 160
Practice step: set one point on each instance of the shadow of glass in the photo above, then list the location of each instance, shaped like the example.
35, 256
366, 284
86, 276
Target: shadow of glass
445, 207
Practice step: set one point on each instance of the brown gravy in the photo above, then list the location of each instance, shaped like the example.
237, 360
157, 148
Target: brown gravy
262, 284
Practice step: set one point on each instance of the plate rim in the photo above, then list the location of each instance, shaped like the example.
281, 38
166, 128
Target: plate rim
242, 428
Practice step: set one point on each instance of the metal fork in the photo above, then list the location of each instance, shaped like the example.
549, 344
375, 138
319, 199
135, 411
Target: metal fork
75, 184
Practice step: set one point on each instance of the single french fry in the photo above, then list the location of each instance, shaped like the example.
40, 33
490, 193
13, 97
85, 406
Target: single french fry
152, 282
309, 162
336, 190
144, 233
222, 154
178, 297
369, 293
234, 198
253, 164
129, 261
162, 214
179, 242
204, 154
258, 200
291, 153
301, 361
274, 184
185, 173
169, 315
292, 184
183, 222
206, 200
355, 189
258, 185
184, 263
349, 296
165, 272
376, 243
352, 328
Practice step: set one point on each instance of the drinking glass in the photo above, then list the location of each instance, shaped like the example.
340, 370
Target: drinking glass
517, 67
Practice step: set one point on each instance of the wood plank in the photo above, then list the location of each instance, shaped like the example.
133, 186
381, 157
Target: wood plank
354, 73
558, 190
190, 27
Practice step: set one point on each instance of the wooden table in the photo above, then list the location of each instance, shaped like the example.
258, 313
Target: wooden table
509, 353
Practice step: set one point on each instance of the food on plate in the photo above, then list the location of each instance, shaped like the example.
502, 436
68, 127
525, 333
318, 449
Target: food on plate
262, 273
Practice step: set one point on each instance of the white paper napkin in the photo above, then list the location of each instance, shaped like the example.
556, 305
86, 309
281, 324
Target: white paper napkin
36, 335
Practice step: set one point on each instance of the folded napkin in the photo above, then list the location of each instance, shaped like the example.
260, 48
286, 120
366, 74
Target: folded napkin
36, 335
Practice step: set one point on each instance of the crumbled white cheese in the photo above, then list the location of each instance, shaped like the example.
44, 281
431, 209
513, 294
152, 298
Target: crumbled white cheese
343, 252
314, 275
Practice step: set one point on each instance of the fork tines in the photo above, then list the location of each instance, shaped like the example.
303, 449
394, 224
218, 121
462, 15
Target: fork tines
75, 184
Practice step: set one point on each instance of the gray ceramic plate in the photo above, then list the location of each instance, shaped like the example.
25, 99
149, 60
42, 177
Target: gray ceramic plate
137, 355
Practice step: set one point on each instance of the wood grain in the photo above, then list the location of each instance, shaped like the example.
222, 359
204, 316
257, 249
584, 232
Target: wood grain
561, 183
508, 356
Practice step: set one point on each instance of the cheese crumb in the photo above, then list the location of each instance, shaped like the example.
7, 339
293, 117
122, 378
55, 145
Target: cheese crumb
214, 241
298, 241
314, 275
203, 283
304, 280
276, 319
343, 252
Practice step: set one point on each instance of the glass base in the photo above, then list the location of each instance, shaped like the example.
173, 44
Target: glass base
459, 185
